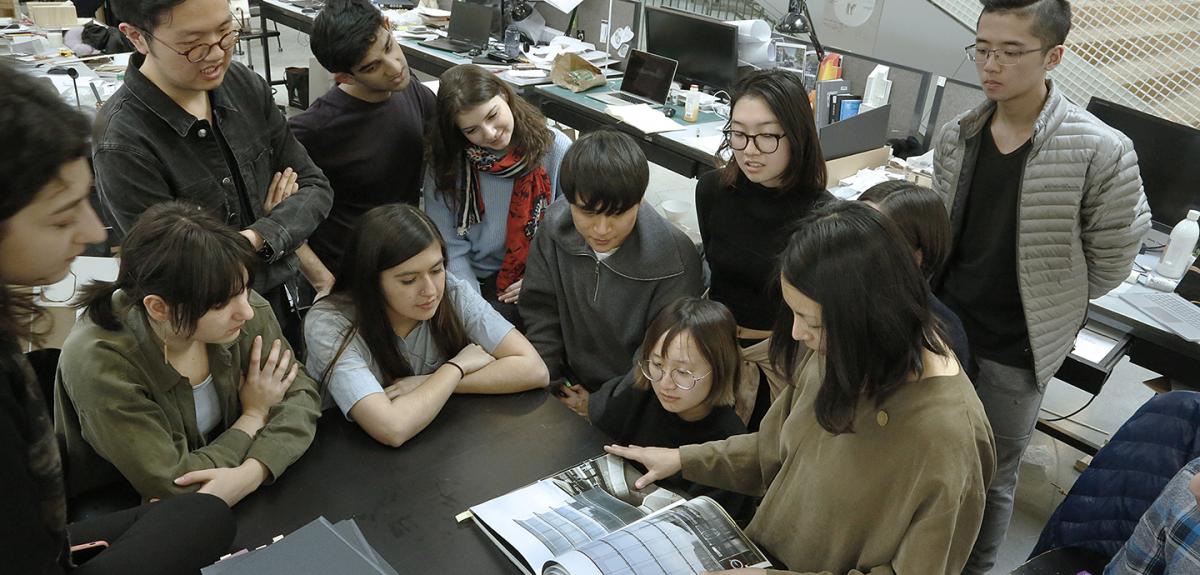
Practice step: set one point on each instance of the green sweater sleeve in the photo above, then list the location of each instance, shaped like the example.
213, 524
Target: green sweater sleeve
121, 421
291, 423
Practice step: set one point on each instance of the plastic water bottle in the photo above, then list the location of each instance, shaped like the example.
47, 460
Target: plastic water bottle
691, 107
512, 41
1178, 255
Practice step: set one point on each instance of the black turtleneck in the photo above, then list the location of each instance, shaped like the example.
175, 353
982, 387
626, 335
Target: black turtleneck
744, 228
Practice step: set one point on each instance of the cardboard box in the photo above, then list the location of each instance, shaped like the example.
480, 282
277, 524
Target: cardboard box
842, 168
53, 15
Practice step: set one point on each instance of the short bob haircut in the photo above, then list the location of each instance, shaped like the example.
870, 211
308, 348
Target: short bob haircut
343, 32
852, 261
714, 331
604, 171
784, 93
387, 236
920, 215
1051, 18
39, 134
462, 88
183, 254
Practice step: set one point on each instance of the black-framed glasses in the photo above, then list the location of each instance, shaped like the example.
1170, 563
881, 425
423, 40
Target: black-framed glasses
1003, 57
682, 378
199, 52
765, 143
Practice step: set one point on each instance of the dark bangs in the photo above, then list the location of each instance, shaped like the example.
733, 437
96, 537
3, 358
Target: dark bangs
222, 269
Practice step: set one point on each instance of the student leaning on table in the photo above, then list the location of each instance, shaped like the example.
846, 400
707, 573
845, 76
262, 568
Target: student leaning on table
877, 457
45, 222
177, 377
400, 333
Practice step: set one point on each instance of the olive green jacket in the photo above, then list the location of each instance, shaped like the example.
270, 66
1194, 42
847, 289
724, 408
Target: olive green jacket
121, 410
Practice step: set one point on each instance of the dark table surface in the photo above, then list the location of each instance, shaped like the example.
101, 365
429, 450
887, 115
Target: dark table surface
405, 499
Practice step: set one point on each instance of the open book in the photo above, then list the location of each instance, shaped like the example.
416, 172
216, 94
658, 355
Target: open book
589, 520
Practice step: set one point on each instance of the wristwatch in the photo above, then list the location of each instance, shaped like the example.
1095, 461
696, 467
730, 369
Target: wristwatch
266, 252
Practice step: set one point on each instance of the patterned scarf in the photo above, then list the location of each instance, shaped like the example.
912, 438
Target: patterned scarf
531, 195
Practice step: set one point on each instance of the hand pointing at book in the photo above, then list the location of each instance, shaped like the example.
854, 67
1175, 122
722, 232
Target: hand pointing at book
659, 462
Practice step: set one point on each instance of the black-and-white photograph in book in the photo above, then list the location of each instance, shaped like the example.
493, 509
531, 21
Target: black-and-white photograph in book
590, 519
688, 538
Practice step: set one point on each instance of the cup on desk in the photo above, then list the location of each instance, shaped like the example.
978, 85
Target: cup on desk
675, 210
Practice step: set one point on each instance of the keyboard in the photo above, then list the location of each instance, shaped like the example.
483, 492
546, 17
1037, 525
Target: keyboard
628, 98
1179, 315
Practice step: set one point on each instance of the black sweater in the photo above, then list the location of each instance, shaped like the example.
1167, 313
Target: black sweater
744, 228
33, 537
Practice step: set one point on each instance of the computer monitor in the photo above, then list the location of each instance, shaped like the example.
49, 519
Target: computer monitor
706, 49
1166, 153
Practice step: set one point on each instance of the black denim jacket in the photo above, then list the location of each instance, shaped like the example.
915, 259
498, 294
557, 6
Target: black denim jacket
147, 150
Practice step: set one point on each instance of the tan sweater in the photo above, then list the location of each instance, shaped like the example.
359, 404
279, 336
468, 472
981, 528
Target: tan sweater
903, 495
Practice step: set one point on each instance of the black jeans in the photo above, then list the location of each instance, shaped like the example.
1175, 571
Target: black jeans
175, 536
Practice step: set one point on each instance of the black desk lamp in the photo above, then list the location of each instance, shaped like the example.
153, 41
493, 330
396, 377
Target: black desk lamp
798, 20
74, 74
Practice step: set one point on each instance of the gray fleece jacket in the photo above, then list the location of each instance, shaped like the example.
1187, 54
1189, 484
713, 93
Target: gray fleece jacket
587, 317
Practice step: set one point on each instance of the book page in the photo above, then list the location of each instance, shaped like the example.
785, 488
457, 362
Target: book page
686, 539
570, 508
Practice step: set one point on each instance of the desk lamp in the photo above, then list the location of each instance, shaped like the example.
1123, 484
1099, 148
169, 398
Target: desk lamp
798, 20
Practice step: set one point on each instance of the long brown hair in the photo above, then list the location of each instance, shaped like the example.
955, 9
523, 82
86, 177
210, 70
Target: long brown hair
783, 92
39, 134
386, 237
462, 88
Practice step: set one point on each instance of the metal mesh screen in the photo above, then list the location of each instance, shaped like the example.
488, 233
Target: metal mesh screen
721, 9
1142, 54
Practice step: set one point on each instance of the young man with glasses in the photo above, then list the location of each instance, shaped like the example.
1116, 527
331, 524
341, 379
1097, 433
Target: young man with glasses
190, 124
1047, 212
366, 133
601, 266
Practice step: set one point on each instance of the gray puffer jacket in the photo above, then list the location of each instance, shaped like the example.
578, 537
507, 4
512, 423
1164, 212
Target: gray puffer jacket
1082, 215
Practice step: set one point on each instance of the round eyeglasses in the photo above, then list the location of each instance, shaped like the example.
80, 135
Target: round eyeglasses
199, 52
682, 378
1003, 57
765, 143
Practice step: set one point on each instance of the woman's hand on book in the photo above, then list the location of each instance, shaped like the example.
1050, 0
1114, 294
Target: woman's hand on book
659, 462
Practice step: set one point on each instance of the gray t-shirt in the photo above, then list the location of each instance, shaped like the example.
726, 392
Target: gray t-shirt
357, 375
208, 406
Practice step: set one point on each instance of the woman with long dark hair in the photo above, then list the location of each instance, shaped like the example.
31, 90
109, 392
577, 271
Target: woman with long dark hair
46, 221
920, 215
178, 377
494, 171
877, 457
399, 333
776, 176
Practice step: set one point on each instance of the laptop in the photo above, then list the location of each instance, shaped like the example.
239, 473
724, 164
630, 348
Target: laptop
647, 80
470, 28
1176, 313
865, 131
